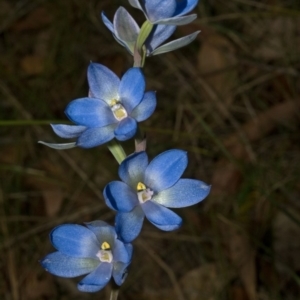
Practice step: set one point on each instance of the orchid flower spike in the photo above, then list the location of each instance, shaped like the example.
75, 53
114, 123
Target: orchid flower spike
112, 109
94, 250
148, 189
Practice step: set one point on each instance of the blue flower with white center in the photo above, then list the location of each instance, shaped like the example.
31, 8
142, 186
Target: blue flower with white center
93, 250
112, 109
147, 189
126, 31
168, 12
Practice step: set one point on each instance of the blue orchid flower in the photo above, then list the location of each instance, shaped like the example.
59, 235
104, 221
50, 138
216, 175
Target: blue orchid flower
168, 12
93, 250
147, 189
126, 31
112, 109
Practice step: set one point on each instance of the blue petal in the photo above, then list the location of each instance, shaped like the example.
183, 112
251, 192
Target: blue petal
126, 29
107, 23
159, 34
119, 196
165, 169
75, 240
96, 136
103, 232
103, 83
132, 169
129, 225
126, 129
185, 192
129, 248
146, 108
159, 9
135, 3
66, 266
176, 44
177, 21
68, 131
120, 272
120, 252
90, 112
61, 146
185, 6
160, 216
132, 88
96, 280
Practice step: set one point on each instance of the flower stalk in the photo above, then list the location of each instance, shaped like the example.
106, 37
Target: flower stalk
114, 293
143, 35
116, 150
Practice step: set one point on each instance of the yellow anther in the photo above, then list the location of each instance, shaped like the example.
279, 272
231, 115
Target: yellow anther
105, 246
140, 187
113, 102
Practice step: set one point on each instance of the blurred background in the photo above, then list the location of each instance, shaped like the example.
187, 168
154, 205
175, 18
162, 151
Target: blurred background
231, 99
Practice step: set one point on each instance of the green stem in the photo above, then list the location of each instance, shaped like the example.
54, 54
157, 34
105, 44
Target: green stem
139, 58
143, 35
140, 51
139, 136
114, 295
144, 50
140, 140
114, 291
117, 151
